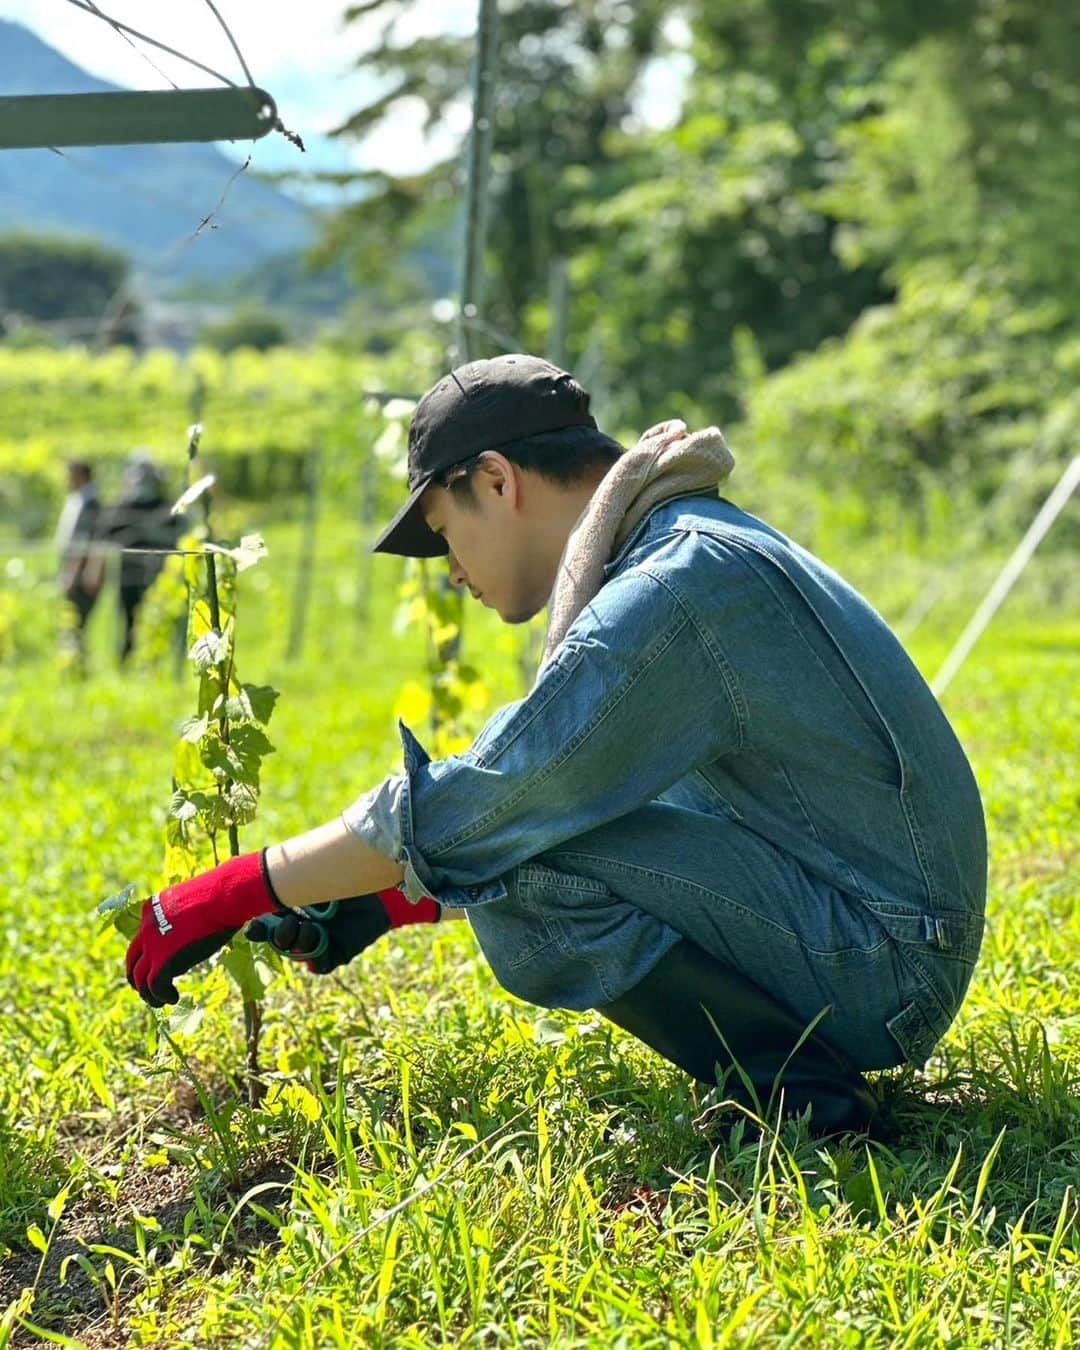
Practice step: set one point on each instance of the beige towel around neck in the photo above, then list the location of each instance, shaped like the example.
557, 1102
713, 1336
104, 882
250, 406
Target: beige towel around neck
666, 462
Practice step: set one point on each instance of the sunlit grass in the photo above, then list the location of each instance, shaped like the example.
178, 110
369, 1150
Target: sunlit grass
436, 1163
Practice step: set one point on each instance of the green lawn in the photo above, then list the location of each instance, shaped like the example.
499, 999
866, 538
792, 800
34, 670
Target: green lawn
436, 1163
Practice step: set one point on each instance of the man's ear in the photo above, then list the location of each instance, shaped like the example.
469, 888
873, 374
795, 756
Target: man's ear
501, 472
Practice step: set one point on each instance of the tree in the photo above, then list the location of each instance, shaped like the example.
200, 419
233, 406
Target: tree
678, 238
829, 157
247, 327
63, 279
565, 83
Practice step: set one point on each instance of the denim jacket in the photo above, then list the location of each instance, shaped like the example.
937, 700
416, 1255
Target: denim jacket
723, 668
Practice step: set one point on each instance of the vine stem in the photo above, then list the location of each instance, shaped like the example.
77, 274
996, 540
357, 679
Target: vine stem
253, 1013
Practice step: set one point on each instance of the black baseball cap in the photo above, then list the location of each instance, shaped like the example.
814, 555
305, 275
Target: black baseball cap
482, 405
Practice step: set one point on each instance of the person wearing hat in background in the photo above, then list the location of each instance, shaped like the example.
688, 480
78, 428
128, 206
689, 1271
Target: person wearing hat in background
81, 564
729, 815
140, 519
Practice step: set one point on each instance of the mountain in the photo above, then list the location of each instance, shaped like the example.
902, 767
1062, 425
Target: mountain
146, 200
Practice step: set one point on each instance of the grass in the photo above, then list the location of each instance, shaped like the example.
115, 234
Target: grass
436, 1163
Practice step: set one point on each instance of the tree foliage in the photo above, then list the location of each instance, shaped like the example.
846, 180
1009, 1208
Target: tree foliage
888, 187
248, 326
565, 84
59, 278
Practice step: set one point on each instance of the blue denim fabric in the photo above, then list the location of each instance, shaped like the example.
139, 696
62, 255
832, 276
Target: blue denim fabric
730, 745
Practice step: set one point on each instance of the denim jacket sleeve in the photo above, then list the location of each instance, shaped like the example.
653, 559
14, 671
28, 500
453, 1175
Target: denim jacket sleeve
634, 699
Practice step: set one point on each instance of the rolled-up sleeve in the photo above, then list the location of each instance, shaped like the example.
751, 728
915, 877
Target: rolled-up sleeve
635, 698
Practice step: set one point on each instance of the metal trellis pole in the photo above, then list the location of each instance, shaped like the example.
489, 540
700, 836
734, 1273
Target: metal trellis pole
472, 271
134, 117
1051, 509
305, 563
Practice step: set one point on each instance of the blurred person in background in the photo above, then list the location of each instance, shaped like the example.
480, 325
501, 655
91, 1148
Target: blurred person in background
140, 519
81, 564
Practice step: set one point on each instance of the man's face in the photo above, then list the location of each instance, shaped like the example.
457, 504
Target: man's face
489, 542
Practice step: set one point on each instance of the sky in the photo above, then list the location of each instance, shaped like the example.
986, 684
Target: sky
300, 53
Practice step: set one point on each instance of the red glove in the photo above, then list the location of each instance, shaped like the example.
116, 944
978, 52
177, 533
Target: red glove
184, 924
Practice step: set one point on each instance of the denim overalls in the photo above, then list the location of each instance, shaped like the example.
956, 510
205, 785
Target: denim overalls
730, 745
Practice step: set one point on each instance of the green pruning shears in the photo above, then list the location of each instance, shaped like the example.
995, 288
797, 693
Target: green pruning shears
306, 941
324, 936
322, 914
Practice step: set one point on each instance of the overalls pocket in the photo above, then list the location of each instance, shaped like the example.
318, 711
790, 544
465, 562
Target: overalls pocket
940, 950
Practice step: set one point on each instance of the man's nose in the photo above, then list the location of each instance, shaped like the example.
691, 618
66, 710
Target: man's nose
457, 573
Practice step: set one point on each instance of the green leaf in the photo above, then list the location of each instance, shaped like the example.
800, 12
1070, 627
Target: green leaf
118, 903
242, 800
209, 691
122, 911
251, 549
212, 649
98, 1085
57, 1203
184, 1017
548, 1031
193, 729
240, 758
238, 959
182, 807
192, 495
238, 708
37, 1238
221, 759
250, 741
216, 814
261, 699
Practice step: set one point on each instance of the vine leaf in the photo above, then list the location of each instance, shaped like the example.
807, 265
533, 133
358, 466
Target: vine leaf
250, 550
242, 800
192, 495
193, 729
210, 650
250, 743
258, 702
221, 759
184, 1017
121, 911
238, 959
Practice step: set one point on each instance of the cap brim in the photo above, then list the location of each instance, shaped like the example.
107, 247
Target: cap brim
407, 535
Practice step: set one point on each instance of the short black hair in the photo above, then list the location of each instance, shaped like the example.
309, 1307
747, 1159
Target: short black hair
566, 457
81, 466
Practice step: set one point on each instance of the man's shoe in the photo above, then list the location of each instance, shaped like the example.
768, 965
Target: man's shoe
674, 1009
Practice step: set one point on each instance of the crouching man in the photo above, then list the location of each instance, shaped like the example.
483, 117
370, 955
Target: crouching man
730, 808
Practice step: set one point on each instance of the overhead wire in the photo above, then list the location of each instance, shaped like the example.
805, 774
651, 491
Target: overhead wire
235, 46
145, 56
89, 7
132, 186
127, 32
